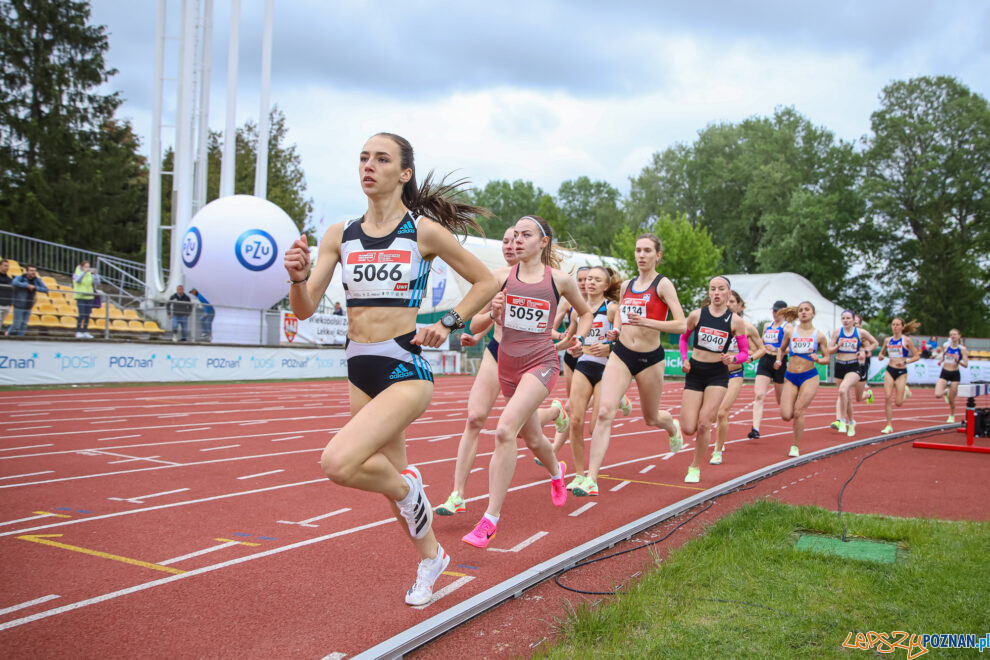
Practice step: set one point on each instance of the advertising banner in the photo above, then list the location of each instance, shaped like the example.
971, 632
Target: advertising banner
926, 371
325, 329
52, 363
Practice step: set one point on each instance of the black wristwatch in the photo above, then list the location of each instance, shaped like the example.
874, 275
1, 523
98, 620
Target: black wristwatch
452, 321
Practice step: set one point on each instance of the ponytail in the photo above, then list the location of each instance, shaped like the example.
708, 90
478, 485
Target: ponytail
789, 314
910, 327
613, 283
437, 200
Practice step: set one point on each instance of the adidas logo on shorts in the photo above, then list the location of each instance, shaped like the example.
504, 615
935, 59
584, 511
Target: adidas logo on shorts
399, 372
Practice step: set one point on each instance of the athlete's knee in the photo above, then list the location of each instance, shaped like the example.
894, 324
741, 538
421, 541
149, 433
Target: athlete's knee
656, 418
689, 428
336, 468
786, 415
759, 397
722, 417
606, 415
476, 420
504, 435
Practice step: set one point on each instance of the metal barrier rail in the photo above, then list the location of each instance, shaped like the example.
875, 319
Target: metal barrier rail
412, 638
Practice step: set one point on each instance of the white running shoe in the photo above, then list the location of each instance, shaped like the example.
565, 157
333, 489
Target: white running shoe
427, 573
415, 508
794, 452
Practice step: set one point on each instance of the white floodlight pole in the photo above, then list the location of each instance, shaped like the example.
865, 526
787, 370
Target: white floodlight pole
182, 180
261, 165
203, 131
228, 162
153, 282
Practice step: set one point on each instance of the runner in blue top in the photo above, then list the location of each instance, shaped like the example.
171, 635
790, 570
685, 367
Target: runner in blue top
850, 345
902, 352
766, 372
802, 343
953, 356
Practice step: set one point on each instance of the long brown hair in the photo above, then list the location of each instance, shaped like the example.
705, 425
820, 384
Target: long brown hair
550, 256
791, 313
910, 327
436, 200
613, 283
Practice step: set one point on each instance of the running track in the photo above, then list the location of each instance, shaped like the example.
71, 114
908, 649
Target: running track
190, 521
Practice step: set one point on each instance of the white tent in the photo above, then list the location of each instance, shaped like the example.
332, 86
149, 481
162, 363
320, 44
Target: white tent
760, 291
446, 288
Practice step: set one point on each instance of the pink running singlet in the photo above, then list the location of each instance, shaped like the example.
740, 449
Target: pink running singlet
526, 345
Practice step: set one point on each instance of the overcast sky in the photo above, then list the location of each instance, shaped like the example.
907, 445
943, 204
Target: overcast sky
549, 90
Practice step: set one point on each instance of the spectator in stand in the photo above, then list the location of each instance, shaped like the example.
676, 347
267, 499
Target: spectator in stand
84, 282
179, 308
6, 290
338, 310
26, 286
931, 348
206, 315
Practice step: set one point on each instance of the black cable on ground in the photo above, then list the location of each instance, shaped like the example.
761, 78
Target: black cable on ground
556, 578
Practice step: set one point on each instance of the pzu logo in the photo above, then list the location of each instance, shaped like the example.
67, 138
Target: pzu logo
256, 249
192, 247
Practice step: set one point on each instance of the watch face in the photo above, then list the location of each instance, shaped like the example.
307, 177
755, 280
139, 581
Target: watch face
447, 320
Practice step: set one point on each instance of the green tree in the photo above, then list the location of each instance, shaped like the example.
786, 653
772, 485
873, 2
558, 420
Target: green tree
590, 214
69, 172
928, 187
690, 257
508, 202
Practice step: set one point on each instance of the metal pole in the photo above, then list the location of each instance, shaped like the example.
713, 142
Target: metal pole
261, 165
153, 283
202, 153
228, 162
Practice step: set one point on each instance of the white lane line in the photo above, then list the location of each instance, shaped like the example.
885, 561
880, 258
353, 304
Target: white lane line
132, 460
442, 437
199, 552
199, 428
31, 428
666, 457
41, 514
308, 522
139, 499
260, 474
29, 474
188, 574
150, 459
34, 414
260, 421
577, 512
28, 447
478, 469
218, 448
336, 655
119, 437
21, 606
169, 415
291, 437
521, 546
619, 486
109, 421
446, 591
647, 468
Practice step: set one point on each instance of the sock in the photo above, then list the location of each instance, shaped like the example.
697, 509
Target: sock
557, 474
492, 519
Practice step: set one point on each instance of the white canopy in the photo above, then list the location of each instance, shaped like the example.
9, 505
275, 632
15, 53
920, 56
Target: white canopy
762, 290
446, 288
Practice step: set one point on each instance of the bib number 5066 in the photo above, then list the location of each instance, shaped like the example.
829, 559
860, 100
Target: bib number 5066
381, 273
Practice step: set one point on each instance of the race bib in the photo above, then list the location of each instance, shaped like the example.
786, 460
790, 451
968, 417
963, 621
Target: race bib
596, 335
526, 314
895, 351
632, 305
378, 274
712, 339
770, 336
848, 345
951, 358
802, 345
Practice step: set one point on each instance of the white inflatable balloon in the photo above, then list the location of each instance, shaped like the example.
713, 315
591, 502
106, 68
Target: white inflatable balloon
232, 254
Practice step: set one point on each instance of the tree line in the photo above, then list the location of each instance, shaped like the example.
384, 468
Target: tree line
894, 223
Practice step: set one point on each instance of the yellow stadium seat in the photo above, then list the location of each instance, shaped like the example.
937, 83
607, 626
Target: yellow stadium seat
49, 321
41, 298
65, 310
115, 313
45, 308
13, 264
14, 272
131, 314
7, 320
135, 326
118, 324
50, 282
34, 320
68, 322
98, 323
151, 326
55, 296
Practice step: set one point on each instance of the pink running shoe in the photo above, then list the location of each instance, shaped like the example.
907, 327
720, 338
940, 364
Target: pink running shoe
558, 490
482, 533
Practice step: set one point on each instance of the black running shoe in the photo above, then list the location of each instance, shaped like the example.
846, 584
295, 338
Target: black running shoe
753, 434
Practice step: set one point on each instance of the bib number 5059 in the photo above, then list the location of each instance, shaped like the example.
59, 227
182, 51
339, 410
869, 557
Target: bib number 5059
380, 273
525, 313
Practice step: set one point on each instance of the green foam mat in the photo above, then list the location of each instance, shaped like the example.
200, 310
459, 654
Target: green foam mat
852, 549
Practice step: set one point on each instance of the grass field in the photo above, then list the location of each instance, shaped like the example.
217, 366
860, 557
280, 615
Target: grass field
784, 602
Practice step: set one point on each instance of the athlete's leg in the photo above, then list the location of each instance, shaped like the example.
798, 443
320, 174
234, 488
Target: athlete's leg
760, 387
787, 400
518, 411
581, 393
722, 431
845, 394
953, 394
649, 382
901, 385
483, 394
888, 396
940, 386
804, 397
615, 382
778, 391
711, 399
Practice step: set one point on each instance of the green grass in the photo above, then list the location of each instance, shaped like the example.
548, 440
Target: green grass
937, 585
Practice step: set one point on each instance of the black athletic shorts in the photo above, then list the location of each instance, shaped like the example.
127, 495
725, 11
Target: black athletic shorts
493, 348
843, 368
949, 376
864, 370
896, 373
374, 367
570, 360
706, 374
765, 368
591, 370
636, 361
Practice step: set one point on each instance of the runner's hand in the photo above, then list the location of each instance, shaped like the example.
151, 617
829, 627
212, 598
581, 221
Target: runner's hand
612, 334
296, 259
467, 339
431, 336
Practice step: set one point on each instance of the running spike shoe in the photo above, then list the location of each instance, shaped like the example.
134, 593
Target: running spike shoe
427, 573
454, 504
753, 434
794, 452
851, 429
415, 508
575, 482
588, 487
625, 406
558, 491
869, 395
951, 419
560, 421
835, 425
677, 440
887, 429
716, 458
482, 533
693, 475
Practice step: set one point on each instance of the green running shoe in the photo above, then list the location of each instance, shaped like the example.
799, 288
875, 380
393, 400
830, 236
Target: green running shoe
869, 396
454, 504
693, 475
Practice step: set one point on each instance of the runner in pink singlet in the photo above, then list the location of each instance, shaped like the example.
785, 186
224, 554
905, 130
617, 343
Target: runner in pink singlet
527, 362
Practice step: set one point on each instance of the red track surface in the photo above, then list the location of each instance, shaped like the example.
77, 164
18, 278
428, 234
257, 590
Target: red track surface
195, 521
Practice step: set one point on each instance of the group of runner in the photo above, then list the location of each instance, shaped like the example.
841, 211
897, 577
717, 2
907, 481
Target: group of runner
613, 336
